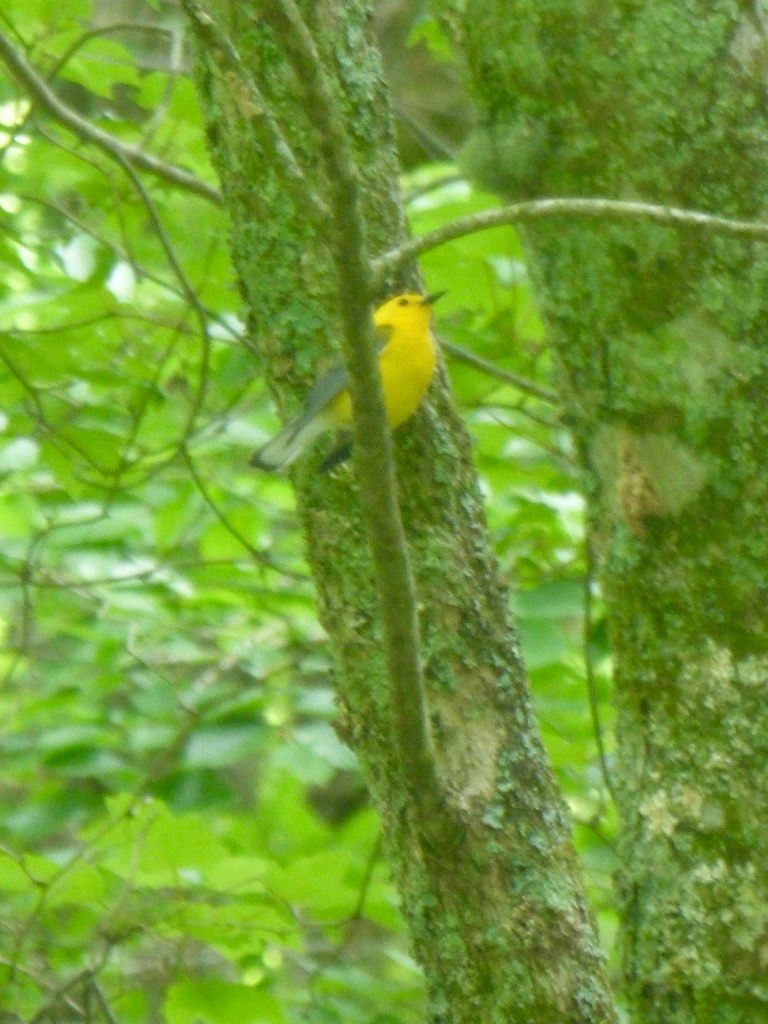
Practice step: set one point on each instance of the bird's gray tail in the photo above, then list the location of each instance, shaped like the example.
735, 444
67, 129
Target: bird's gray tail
281, 450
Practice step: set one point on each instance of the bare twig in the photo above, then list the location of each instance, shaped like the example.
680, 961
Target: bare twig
122, 253
115, 28
41, 92
188, 291
258, 556
589, 669
373, 441
101, 999
538, 209
154, 319
463, 355
41, 416
64, 58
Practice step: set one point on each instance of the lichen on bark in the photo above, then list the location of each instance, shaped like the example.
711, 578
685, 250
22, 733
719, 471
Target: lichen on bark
491, 892
660, 338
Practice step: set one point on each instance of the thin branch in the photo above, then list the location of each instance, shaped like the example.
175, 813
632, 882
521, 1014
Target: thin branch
159, 572
431, 144
538, 209
122, 253
60, 995
138, 411
373, 858
255, 108
589, 668
188, 291
463, 355
155, 319
63, 60
419, 191
174, 66
116, 27
42, 418
258, 556
102, 1000
24, 73
373, 441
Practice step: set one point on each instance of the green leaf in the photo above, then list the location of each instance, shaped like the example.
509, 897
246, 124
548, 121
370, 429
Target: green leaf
82, 884
317, 883
17, 517
466, 267
431, 31
210, 1001
20, 453
46, 14
13, 877
238, 875
100, 66
218, 746
155, 847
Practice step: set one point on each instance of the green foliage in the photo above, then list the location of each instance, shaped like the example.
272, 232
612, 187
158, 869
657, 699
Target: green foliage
432, 33
182, 835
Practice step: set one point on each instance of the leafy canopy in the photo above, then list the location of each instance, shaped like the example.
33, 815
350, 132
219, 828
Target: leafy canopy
182, 834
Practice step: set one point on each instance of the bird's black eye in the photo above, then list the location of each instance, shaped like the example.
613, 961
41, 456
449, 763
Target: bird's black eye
403, 302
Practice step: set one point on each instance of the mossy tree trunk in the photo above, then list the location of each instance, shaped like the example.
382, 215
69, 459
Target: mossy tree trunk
496, 911
662, 336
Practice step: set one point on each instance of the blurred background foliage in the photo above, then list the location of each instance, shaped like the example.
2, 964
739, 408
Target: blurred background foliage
182, 835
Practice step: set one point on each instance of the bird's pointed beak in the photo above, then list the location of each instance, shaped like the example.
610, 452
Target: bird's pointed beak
430, 299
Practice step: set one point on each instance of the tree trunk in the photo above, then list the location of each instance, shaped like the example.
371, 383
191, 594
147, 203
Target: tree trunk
491, 893
661, 337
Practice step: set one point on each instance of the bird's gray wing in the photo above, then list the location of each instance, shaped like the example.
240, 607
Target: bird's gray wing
330, 385
323, 392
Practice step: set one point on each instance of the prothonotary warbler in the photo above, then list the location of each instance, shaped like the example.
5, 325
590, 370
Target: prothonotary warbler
407, 359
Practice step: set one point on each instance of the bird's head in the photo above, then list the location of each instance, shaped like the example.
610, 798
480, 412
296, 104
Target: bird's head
409, 312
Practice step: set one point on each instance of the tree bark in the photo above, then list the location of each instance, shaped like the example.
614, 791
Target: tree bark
491, 890
660, 334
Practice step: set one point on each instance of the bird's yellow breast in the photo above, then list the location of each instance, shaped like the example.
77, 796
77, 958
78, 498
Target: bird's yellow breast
407, 363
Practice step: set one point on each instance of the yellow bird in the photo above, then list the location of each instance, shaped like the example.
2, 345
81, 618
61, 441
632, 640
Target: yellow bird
407, 359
